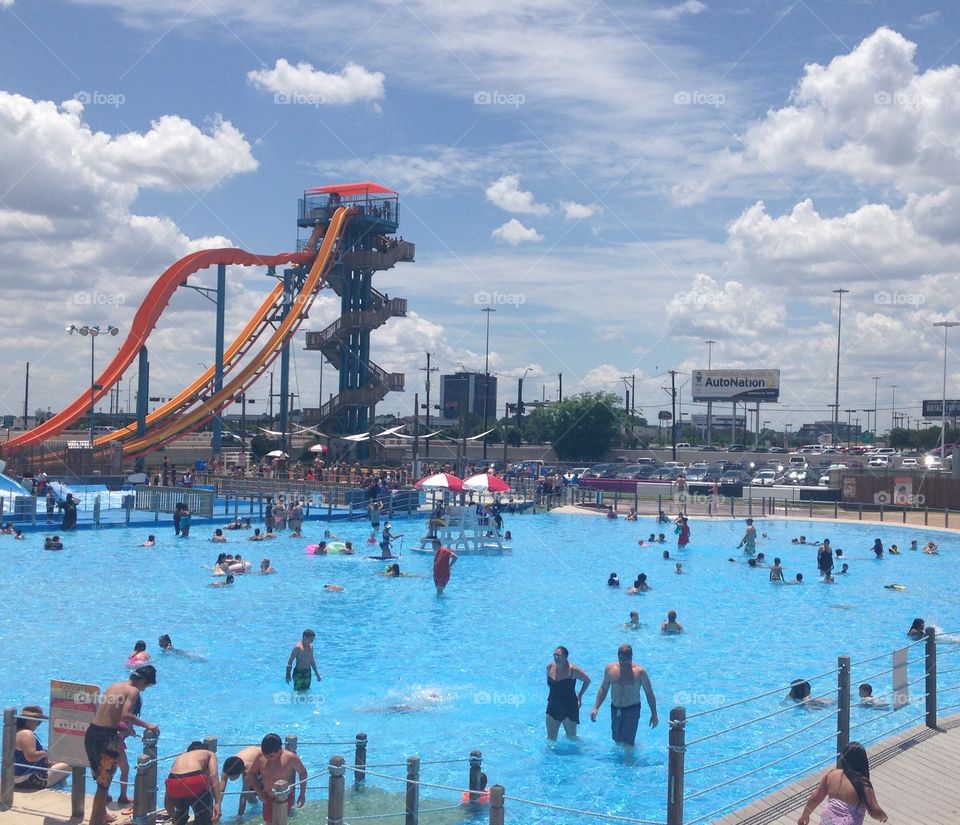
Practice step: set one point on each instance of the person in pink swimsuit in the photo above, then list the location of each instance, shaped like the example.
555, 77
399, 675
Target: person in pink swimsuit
848, 792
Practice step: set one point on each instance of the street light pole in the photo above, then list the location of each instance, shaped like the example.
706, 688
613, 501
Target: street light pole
943, 411
893, 408
709, 344
836, 396
93, 332
849, 412
486, 380
876, 390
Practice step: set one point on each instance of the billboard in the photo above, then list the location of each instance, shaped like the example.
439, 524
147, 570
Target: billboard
736, 385
934, 409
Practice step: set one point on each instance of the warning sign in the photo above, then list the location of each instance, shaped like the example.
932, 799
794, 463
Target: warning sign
72, 707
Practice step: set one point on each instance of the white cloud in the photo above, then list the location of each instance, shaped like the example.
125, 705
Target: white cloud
733, 309
513, 232
870, 115
574, 211
677, 11
6, 3
507, 194
304, 81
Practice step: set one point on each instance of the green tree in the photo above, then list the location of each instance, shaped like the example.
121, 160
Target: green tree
585, 426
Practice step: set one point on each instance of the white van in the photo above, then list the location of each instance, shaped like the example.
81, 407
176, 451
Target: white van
796, 462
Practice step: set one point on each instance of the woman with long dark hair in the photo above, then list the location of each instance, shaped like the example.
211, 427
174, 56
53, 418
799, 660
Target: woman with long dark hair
848, 792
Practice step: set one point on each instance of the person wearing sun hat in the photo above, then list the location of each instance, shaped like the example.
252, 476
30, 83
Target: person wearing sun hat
116, 705
32, 769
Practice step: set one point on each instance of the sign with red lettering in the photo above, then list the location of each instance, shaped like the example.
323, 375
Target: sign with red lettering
72, 708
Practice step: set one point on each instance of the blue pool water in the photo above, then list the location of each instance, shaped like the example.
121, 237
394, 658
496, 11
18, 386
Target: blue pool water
472, 663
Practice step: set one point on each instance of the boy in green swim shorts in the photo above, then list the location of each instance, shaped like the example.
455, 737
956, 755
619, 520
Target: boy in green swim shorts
301, 662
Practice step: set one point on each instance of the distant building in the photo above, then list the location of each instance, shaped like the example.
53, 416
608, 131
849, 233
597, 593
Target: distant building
811, 433
465, 391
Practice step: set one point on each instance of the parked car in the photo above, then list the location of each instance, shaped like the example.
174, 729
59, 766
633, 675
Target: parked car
739, 476
699, 465
761, 449
664, 474
696, 474
879, 461
797, 462
600, 471
736, 448
825, 477
572, 476
683, 445
709, 448
764, 478
778, 449
630, 471
908, 463
676, 465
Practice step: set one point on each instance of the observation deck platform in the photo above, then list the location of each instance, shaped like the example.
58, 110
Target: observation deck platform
914, 774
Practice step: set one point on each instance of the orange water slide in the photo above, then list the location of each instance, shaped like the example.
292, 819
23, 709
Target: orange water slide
143, 324
251, 331
209, 407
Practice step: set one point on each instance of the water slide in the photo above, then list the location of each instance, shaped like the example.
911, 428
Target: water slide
211, 406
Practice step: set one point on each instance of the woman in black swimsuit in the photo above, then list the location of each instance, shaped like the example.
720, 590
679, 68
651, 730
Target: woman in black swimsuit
563, 703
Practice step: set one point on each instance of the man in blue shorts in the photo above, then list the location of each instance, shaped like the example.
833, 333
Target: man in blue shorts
625, 679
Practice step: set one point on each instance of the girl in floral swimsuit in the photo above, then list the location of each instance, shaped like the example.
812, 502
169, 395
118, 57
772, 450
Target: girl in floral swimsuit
847, 790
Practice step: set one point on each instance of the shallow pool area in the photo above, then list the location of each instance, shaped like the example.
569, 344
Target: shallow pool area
443, 676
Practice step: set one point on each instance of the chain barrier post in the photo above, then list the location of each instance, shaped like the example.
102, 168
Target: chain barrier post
9, 748
78, 787
150, 738
210, 743
676, 756
360, 761
141, 792
335, 791
930, 683
496, 805
281, 793
843, 705
413, 791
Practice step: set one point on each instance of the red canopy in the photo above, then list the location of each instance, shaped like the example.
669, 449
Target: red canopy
346, 190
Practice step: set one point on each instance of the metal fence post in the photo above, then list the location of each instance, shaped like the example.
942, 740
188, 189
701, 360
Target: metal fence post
141, 791
335, 791
281, 793
930, 683
676, 756
150, 751
926, 515
78, 787
9, 747
843, 704
860, 511
210, 743
496, 805
413, 791
360, 761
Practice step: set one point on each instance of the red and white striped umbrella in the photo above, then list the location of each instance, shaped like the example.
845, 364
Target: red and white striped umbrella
440, 481
486, 483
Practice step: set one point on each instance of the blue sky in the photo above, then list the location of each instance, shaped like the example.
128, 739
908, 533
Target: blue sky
646, 176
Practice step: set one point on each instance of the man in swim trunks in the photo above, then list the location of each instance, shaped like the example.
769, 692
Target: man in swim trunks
193, 783
115, 706
274, 763
625, 678
302, 654
749, 540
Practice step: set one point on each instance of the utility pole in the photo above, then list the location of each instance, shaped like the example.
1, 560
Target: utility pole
486, 380
428, 369
710, 343
416, 434
836, 395
560, 393
26, 396
673, 413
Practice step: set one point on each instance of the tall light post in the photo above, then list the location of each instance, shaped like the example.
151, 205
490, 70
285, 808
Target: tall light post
92, 332
943, 412
709, 344
893, 408
486, 380
876, 409
849, 413
836, 395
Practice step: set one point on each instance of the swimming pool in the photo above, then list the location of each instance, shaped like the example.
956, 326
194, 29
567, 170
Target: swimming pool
472, 664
